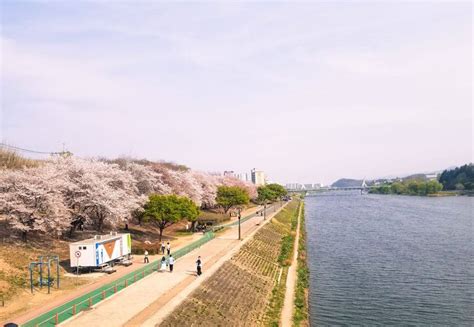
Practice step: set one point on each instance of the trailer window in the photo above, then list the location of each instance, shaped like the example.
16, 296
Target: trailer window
84, 248
80, 248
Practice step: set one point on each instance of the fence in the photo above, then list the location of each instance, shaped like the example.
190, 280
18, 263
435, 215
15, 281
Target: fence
84, 302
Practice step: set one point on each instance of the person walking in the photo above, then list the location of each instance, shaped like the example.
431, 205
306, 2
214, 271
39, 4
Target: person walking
199, 266
168, 248
162, 247
171, 262
145, 259
163, 264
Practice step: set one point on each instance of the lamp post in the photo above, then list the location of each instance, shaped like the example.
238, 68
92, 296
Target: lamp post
239, 224
265, 210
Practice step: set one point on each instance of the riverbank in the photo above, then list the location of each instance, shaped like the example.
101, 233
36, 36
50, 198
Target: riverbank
301, 303
249, 287
435, 195
144, 302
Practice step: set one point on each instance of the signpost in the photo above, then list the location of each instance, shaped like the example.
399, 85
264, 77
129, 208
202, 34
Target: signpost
77, 254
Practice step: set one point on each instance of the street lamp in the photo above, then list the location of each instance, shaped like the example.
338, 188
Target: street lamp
239, 223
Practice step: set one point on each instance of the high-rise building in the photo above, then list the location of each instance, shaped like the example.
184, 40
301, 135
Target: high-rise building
258, 177
243, 176
229, 173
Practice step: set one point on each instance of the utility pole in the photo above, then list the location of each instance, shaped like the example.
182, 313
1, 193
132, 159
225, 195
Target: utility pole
265, 210
239, 224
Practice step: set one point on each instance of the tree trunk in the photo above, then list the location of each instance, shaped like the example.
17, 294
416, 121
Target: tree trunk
76, 223
71, 230
23, 236
193, 226
100, 223
161, 232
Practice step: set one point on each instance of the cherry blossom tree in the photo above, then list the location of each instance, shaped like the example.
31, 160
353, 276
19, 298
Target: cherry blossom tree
32, 201
67, 193
100, 194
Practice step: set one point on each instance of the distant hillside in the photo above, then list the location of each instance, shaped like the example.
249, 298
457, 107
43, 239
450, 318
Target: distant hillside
347, 182
416, 177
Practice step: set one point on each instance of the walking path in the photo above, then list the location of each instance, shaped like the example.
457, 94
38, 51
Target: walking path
287, 311
148, 301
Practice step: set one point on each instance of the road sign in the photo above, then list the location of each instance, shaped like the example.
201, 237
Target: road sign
77, 254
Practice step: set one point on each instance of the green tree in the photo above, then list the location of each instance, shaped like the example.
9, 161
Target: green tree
165, 210
278, 190
384, 189
398, 188
266, 194
412, 187
463, 175
459, 187
230, 196
433, 187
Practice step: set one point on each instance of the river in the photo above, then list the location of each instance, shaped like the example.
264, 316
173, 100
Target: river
390, 260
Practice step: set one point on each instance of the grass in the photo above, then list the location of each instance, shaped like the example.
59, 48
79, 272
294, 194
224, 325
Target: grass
12, 160
300, 314
287, 219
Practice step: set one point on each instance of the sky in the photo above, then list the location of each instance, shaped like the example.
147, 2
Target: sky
308, 92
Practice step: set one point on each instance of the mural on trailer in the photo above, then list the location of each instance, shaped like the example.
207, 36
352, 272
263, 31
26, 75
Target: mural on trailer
109, 247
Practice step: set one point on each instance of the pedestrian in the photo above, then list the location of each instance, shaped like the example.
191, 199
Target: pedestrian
163, 264
171, 262
199, 266
168, 248
145, 259
162, 247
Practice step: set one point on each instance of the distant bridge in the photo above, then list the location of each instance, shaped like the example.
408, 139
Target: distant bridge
311, 191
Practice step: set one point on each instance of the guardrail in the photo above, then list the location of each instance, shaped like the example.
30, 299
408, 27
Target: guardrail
85, 302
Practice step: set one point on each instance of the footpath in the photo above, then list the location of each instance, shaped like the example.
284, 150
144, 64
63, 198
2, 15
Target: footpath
288, 304
149, 301
107, 279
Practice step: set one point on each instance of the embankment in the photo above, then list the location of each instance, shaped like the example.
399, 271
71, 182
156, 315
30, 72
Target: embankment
301, 307
248, 289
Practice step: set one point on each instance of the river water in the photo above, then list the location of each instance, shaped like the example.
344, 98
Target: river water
390, 260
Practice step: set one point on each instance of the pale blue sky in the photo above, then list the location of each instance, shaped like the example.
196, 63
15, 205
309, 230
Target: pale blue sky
308, 92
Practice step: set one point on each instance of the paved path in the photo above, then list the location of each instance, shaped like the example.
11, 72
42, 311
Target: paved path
287, 311
151, 299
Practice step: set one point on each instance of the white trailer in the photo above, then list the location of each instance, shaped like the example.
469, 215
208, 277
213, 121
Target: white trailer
100, 250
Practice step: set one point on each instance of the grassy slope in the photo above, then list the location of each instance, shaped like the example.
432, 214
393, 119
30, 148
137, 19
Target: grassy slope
245, 289
300, 314
288, 221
